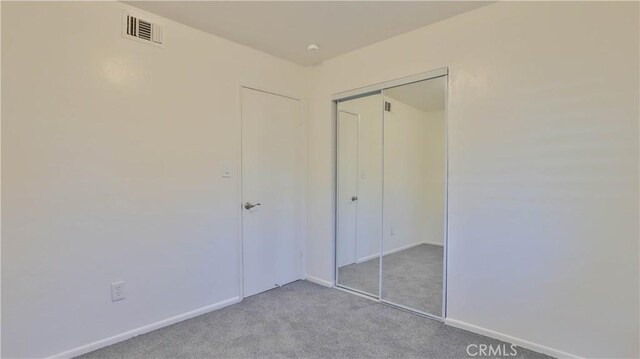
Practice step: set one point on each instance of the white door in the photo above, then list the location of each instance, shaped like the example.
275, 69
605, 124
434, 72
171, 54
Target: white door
347, 187
273, 180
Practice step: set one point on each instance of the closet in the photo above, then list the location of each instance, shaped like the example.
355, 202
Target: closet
391, 185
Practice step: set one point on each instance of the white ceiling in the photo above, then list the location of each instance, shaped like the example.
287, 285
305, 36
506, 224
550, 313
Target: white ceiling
284, 29
425, 95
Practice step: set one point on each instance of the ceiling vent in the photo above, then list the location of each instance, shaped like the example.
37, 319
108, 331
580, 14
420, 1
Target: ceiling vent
136, 28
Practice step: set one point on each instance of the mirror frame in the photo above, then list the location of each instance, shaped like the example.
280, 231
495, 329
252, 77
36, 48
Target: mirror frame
370, 90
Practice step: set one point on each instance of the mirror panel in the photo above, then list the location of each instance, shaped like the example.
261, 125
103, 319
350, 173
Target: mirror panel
414, 195
359, 193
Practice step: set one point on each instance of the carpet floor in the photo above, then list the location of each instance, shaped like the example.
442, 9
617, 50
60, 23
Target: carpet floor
411, 277
362, 276
304, 320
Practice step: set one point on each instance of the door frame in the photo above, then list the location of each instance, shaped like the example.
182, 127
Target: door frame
379, 88
302, 243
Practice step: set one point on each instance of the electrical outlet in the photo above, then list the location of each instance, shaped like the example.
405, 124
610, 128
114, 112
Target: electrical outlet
117, 291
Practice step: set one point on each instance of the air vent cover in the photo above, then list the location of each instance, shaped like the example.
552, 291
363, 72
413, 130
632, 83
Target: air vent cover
136, 28
387, 106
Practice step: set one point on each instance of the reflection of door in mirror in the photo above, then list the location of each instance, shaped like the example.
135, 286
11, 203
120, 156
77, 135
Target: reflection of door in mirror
359, 193
348, 188
414, 195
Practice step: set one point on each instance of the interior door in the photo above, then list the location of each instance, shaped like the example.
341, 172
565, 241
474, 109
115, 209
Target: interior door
348, 189
273, 179
359, 193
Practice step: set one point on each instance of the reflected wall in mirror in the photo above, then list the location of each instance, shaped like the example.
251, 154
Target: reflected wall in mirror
359, 193
414, 195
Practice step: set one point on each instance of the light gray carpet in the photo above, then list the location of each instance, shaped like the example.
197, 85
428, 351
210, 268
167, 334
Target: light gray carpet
411, 277
303, 320
361, 276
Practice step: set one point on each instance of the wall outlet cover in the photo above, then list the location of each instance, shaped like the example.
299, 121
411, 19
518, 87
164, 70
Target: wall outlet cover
117, 291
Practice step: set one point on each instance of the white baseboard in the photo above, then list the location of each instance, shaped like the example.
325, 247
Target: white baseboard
390, 251
364, 259
507, 338
433, 243
142, 330
317, 280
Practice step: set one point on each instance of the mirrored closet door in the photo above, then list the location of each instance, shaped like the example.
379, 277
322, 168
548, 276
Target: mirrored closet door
359, 193
391, 194
414, 196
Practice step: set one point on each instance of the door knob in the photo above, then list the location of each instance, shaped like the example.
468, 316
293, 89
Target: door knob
249, 205
354, 198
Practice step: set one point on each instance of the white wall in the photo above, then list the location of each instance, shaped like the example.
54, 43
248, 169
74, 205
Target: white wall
413, 177
543, 166
112, 153
435, 185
